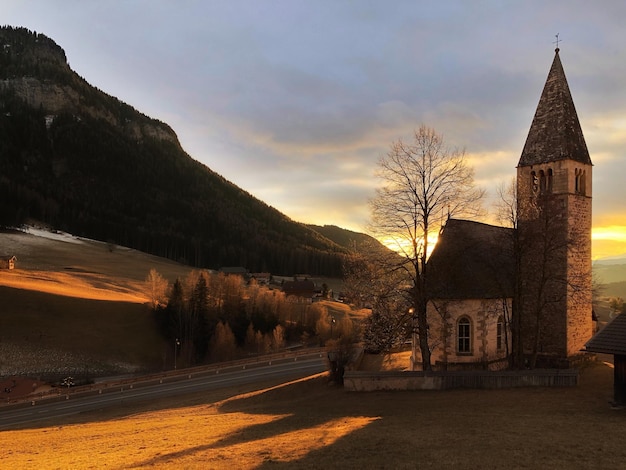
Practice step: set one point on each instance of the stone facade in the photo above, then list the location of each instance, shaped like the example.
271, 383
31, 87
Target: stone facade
554, 183
468, 333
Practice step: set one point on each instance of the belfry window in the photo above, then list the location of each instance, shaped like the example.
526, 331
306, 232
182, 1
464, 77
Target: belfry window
464, 336
583, 182
542, 182
579, 181
534, 182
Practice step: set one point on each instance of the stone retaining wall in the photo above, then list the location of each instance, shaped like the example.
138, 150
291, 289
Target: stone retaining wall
363, 381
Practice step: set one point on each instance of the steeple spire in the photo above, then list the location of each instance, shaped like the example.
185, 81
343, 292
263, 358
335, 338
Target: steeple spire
555, 133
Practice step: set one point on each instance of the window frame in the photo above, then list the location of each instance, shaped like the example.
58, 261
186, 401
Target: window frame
464, 336
500, 333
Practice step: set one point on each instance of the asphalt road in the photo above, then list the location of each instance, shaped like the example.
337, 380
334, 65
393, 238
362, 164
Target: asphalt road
12, 417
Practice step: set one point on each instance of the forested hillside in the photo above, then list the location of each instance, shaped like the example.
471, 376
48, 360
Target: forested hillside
345, 238
84, 162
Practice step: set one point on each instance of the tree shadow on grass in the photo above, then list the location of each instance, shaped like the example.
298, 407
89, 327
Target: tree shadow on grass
459, 428
304, 413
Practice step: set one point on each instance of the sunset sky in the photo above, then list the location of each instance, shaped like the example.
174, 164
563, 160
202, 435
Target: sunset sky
295, 100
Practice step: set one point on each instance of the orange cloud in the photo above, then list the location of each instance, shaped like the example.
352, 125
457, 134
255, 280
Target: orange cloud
609, 240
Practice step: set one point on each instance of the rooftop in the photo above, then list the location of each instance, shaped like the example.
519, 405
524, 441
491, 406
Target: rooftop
472, 260
555, 133
611, 339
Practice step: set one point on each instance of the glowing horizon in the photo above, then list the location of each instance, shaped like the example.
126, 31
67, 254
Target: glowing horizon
608, 241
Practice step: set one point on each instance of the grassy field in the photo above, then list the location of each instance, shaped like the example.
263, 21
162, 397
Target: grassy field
77, 307
309, 424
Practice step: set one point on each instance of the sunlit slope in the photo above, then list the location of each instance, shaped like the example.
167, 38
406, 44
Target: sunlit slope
77, 307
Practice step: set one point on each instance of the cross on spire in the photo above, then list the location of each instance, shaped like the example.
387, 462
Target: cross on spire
557, 41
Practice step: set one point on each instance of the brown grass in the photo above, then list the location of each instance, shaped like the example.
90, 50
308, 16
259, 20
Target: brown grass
44, 332
81, 268
308, 424
76, 307
398, 361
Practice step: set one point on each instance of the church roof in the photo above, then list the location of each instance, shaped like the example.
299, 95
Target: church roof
472, 260
555, 133
611, 339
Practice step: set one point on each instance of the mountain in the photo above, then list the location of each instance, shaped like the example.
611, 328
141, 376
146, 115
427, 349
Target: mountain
608, 273
82, 161
345, 238
610, 260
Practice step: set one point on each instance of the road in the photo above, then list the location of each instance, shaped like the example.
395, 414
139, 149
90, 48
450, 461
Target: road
12, 417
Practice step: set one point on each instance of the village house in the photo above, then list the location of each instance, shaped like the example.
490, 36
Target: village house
234, 271
262, 279
476, 268
7, 262
299, 291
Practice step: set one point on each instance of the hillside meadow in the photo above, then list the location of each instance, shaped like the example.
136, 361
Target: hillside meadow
76, 306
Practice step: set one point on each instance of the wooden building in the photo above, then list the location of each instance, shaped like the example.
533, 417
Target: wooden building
7, 262
299, 291
612, 340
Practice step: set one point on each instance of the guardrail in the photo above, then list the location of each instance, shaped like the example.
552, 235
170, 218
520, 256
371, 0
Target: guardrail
161, 377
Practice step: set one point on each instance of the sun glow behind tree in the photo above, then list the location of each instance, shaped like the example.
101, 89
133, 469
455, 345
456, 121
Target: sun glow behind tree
424, 182
400, 244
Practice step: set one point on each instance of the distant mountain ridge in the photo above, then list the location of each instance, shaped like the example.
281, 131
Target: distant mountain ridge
83, 162
619, 259
345, 238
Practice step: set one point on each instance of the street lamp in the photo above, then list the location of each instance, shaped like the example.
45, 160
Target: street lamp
332, 322
176, 344
413, 342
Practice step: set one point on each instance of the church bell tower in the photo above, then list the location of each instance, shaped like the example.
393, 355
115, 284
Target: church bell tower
554, 188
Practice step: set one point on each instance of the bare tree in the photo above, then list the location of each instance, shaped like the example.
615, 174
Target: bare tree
156, 288
507, 213
223, 346
616, 304
369, 282
424, 182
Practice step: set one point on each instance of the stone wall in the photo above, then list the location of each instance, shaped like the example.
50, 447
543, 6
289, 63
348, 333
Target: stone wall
361, 381
579, 308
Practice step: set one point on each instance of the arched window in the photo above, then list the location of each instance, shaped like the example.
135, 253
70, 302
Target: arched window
583, 182
464, 336
579, 181
500, 333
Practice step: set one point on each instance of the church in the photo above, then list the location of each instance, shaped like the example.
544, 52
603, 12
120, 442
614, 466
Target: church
523, 292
